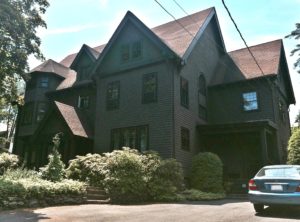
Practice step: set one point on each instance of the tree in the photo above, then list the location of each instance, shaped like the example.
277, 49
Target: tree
294, 148
296, 35
19, 20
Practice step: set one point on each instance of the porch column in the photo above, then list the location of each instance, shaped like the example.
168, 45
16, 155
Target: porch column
264, 146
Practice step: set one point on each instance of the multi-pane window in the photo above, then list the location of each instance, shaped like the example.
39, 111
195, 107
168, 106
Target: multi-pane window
184, 92
185, 139
250, 101
136, 49
149, 88
125, 52
27, 113
133, 137
41, 110
131, 51
83, 102
113, 95
202, 94
44, 82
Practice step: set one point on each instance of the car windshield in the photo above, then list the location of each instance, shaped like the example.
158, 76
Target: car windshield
279, 172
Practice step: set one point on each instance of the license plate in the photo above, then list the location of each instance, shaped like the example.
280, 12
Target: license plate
276, 187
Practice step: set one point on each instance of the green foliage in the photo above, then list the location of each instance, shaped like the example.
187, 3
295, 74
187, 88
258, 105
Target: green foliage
296, 34
124, 176
18, 23
165, 180
8, 161
294, 148
24, 185
87, 168
55, 169
195, 195
129, 176
207, 173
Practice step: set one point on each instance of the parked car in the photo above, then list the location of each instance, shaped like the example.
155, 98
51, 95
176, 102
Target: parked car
275, 185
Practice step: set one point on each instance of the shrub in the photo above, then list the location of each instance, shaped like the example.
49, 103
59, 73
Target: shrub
194, 195
165, 180
23, 187
87, 168
55, 169
8, 161
124, 176
207, 173
294, 148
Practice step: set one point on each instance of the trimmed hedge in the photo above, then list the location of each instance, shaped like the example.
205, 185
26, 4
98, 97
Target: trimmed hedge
195, 195
207, 173
8, 161
25, 188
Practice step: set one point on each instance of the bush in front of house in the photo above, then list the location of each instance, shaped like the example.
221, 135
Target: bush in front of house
124, 176
25, 188
196, 195
207, 173
8, 161
294, 148
88, 168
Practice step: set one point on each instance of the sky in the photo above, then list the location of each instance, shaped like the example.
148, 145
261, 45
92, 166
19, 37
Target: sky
71, 23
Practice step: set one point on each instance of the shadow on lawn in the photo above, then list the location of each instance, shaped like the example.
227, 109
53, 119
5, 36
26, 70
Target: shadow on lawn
21, 215
284, 212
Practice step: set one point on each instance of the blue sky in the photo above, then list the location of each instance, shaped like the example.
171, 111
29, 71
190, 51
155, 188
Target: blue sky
72, 23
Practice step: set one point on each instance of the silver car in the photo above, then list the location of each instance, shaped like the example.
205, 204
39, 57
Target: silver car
275, 185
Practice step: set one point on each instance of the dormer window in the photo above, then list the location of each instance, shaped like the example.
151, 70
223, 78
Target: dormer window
83, 102
44, 82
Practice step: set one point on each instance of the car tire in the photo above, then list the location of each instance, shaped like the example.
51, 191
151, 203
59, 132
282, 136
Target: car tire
258, 208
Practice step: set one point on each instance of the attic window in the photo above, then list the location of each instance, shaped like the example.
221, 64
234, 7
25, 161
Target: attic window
136, 49
250, 102
83, 102
44, 82
125, 55
131, 51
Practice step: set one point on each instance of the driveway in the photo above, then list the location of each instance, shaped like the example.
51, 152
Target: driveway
204, 211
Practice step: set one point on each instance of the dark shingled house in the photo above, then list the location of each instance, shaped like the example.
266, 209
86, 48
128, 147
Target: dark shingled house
170, 89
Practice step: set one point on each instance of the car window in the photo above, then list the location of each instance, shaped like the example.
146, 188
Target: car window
279, 172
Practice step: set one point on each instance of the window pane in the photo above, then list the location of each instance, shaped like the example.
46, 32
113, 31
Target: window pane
44, 81
250, 101
184, 92
83, 102
137, 49
149, 88
143, 138
113, 95
185, 138
125, 52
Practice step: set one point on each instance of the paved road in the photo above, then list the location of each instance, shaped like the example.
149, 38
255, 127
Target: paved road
206, 211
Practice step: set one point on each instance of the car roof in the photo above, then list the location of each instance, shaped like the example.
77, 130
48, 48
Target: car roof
280, 166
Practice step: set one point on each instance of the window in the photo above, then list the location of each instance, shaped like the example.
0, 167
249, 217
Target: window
133, 137
202, 85
202, 112
149, 88
27, 113
185, 139
136, 49
41, 110
113, 95
131, 51
125, 56
184, 92
250, 101
44, 82
282, 111
83, 102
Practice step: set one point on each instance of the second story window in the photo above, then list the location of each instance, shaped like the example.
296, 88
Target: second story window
44, 82
184, 92
113, 95
250, 101
149, 88
41, 110
27, 113
83, 102
131, 51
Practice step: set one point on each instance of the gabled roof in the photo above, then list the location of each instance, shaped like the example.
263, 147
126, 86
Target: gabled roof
85, 49
75, 120
67, 61
267, 55
50, 66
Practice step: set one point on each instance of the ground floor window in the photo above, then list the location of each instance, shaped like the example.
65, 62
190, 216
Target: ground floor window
185, 139
134, 137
